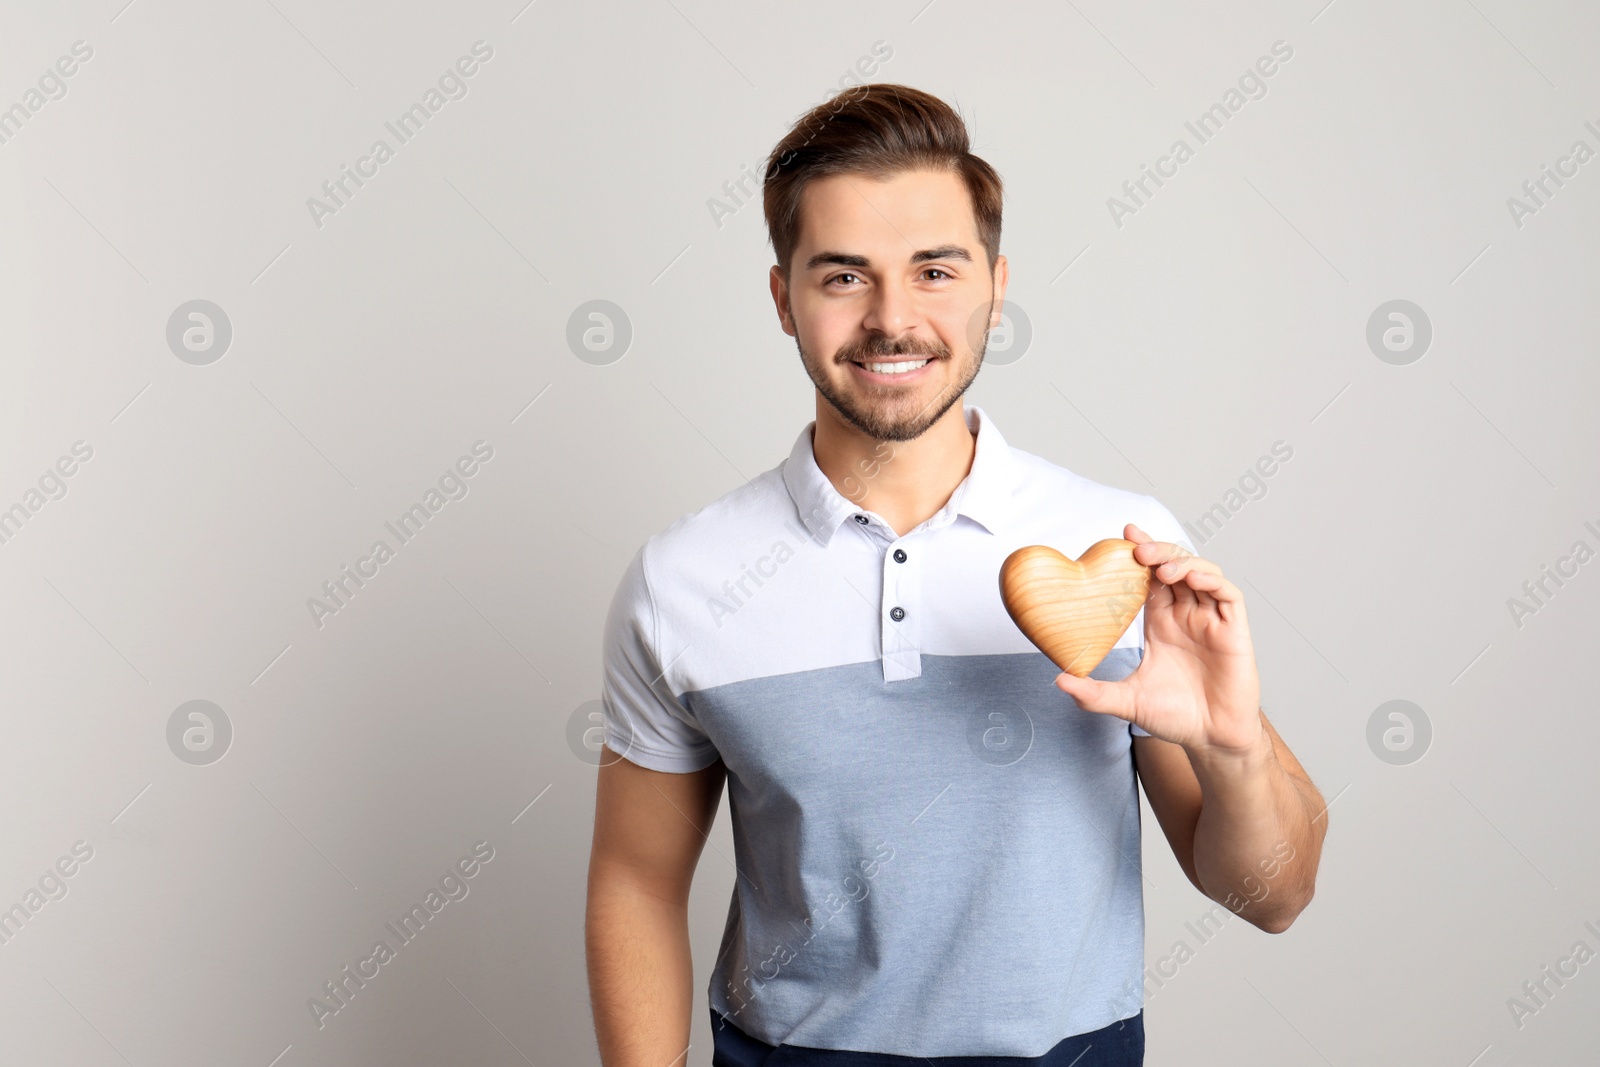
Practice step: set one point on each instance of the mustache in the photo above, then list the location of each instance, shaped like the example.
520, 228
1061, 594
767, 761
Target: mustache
883, 346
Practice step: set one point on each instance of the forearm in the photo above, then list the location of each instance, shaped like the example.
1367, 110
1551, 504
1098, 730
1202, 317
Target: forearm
641, 973
1258, 840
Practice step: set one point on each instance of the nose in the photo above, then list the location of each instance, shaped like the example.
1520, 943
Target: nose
893, 309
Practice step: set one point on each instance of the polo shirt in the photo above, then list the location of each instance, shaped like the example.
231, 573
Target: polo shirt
937, 851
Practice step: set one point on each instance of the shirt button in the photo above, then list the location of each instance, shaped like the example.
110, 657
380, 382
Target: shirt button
862, 519
899, 555
897, 614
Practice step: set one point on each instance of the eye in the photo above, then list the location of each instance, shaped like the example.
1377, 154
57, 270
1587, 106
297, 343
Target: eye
936, 270
838, 277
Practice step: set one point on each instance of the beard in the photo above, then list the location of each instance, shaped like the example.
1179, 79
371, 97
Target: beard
886, 412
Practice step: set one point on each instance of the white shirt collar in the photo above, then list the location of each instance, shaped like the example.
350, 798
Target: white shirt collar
985, 495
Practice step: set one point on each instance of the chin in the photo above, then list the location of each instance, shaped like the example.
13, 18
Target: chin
890, 421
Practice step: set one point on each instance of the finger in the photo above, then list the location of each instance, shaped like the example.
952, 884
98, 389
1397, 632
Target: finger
1091, 694
1213, 583
1183, 595
1155, 553
1132, 533
1175, 570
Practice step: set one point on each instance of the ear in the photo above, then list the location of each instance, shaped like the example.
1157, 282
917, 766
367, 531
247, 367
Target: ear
780, 298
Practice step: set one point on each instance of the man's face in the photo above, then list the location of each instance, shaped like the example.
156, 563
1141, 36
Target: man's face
888, 275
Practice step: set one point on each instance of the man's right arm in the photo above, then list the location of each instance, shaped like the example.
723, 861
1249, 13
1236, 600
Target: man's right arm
649, 830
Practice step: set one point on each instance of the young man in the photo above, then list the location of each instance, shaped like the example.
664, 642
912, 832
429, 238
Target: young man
936, 832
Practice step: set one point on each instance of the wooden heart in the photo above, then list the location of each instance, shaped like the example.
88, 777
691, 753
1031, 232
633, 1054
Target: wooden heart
1074, 610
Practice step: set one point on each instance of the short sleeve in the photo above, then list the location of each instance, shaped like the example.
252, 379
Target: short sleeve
1165, 527
641, 719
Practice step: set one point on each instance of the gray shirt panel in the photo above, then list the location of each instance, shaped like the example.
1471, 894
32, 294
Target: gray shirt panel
958, 852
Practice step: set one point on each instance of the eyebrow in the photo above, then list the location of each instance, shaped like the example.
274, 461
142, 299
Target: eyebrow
846, 259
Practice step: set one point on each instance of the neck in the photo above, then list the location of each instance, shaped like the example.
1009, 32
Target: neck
905, 482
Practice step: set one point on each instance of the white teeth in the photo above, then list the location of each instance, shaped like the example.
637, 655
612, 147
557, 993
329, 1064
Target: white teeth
895, 368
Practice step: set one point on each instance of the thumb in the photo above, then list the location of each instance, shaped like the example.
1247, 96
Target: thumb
1091, 694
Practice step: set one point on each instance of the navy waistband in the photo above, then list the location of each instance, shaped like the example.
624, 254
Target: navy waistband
1119, 1045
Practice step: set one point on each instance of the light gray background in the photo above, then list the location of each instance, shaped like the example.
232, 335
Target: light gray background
1168, 354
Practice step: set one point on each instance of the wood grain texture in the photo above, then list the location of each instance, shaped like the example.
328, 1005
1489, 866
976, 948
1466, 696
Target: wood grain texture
1074, 610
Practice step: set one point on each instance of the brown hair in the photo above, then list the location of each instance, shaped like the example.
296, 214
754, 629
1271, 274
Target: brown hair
877, 129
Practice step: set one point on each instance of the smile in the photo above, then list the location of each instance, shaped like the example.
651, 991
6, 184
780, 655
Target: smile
886, 370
